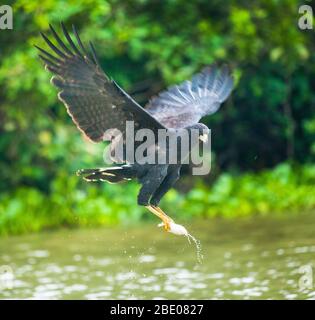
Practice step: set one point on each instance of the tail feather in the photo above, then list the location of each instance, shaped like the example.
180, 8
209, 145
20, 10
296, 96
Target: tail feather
112, 175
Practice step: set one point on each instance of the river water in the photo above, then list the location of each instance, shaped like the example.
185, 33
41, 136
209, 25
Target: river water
259, 258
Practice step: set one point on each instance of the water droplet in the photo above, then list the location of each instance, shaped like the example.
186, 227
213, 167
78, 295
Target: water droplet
198, 247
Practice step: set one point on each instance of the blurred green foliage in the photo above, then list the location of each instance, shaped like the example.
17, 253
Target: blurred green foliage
145, 46
284, 189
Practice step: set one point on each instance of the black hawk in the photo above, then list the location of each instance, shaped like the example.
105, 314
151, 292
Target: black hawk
96, 103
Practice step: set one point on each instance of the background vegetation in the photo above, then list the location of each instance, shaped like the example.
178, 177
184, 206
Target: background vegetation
262, 137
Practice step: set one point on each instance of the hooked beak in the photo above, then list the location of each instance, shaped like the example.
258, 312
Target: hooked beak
204, 138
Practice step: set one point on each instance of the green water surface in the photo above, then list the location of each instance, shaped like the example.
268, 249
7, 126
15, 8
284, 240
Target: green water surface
243, 259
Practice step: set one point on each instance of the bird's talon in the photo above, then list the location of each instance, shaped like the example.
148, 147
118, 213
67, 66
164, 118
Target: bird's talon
166, 220
167, 226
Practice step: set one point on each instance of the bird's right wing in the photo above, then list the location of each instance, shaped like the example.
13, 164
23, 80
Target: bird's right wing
185, 104
94, 102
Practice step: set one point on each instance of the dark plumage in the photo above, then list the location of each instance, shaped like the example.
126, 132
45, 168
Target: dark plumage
96, 104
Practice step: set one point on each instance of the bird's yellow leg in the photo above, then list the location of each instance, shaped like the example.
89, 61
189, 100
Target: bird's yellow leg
162, 215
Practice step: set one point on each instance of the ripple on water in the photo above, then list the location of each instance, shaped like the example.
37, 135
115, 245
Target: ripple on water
123, 276
145, 280
77, 257
38, 254
240, 281
98, 295
48, 291
103, 262
146, 258
304, 249
54, 268
247, 292
153, 287
70, 268
75, 288
215, 276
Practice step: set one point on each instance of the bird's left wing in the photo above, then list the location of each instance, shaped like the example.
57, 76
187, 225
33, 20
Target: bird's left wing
185, 104
94, 102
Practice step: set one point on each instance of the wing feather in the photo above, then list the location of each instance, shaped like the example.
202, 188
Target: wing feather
94, 102
191, 100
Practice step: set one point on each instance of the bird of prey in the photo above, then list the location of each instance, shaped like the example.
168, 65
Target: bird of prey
96, 103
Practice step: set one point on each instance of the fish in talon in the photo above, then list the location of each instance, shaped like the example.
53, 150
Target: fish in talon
178, 229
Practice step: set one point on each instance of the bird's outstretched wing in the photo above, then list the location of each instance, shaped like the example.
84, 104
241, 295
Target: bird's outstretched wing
94, 102
185, 104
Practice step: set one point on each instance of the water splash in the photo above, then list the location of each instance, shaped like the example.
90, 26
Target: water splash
181, 230
198, 247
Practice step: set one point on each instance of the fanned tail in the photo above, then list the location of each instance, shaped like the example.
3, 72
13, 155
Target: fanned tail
111, 174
